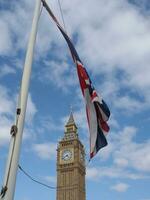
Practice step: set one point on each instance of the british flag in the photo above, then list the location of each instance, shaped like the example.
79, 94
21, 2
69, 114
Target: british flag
97, 110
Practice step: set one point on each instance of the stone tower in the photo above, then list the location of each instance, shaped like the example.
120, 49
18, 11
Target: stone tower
70, 165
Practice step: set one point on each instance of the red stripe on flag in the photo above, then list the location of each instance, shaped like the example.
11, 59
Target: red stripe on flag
104, 125
91, 155
94, 95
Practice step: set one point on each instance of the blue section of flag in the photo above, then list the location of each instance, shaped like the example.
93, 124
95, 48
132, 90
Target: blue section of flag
73, 51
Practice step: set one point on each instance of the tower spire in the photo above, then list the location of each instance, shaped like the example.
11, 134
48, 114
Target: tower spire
71, 119
71, 128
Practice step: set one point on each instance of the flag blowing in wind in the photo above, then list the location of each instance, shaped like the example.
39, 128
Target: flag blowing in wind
96, 109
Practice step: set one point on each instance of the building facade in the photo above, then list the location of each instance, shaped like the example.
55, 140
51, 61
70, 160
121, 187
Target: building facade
70, 165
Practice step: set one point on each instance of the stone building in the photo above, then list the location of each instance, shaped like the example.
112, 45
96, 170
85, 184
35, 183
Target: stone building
70, 165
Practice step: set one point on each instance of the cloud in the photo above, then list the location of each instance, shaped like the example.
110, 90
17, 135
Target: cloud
143, 5
5, 39
5, 70
113, 172
106, 152
92, 173
128, 103
120, 187
113, 122
121, 162
49, 124
29, 133
6, 114
7, 104
134, 155
113, 42
14, 38
31, 110
50, 179
5, 125
45, 151
12, 28
138, 156
119, 42
130, 159
59, 74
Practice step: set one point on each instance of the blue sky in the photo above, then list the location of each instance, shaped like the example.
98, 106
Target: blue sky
113, 41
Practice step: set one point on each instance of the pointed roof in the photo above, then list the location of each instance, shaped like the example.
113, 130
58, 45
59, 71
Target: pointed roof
71, 119
71, 129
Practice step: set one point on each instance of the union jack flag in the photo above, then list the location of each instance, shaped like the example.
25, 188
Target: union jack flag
96, 109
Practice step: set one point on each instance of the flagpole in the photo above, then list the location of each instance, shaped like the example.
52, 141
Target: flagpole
8, 189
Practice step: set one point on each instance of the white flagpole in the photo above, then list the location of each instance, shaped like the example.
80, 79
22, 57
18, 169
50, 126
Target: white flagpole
8, 189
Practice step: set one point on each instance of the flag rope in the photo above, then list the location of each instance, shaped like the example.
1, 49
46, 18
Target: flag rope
62, 16
36, 181
43, 184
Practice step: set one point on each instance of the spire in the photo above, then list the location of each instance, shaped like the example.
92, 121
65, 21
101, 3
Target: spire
70, 128
71, 119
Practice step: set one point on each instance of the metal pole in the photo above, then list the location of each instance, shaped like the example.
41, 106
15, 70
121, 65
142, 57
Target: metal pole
16, 140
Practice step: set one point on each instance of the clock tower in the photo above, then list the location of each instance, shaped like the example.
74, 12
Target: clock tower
70, 165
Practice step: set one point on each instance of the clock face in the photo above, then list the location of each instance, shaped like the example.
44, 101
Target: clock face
66, 155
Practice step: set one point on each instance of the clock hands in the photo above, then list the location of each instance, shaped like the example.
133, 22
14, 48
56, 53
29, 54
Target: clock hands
66, 156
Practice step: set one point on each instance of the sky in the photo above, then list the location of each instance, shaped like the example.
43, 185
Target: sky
112, 38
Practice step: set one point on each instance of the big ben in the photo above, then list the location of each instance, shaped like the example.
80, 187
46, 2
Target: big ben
70, 165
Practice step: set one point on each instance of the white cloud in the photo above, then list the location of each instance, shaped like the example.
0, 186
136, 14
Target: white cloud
5, 70
31, 110
45, 151
7, 103
129, 104
130, 160
113, 172
121, 162
92, 173
113, 123
120, 187
48, 124
111, 39
50, 179
106, 152
12, 28
5, 125
14, 37
60, 74
120, 41
29, 133
134, 155
6, 114
137, 155
5, 39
